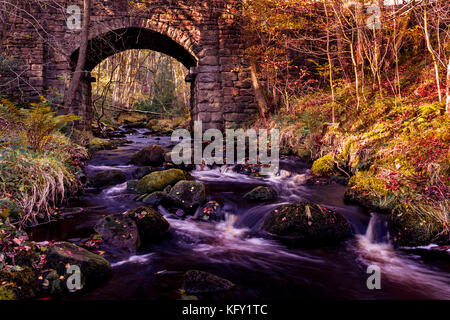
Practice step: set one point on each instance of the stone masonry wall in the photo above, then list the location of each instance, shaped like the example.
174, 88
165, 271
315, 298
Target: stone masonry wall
198, 33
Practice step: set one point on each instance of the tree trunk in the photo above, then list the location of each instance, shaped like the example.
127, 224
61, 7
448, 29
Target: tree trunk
259, 94
75, 82
430, 49
447, 90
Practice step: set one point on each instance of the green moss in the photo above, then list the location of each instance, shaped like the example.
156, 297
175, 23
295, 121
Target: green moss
407, 229
369, 190
324, 166
7, 294
97, 144
157, 181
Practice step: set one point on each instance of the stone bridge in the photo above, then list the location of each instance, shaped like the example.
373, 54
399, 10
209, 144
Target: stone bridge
200, 34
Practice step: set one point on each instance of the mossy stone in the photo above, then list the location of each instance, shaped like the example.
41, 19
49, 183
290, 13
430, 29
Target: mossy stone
94, 268
151, 224
307, 223
157, 181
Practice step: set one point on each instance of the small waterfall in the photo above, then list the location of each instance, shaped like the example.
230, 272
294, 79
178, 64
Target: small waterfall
377, 230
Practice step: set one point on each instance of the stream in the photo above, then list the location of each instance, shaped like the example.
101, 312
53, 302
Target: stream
236, 249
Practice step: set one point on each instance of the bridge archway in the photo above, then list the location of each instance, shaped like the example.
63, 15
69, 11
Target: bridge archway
115, 41
203, 35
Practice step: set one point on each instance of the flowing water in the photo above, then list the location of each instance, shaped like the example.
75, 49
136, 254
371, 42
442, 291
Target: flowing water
236, 249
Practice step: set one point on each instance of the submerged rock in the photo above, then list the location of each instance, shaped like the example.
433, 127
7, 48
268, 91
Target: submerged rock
261, 194
190, 194
94, 268
119, 231
151, 224
157, 181
108, 178
149, 156
307, 223
196, 281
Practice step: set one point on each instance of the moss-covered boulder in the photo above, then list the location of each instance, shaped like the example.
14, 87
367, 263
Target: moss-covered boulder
131, 117
19, 282
196, 281
157, 181
410, 230
118, 231
324, 166
151, 224
307, 223
94, 268
190, 194
97, 144
149, 156
261, 194
370, 191
108, 178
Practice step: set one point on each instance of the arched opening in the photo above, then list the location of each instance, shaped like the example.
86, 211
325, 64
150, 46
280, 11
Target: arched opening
119, 41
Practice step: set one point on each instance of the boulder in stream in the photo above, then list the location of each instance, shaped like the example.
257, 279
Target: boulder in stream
307, 223
94, 268
261, 194
149, 156
190, 194
151, 224
119, 231
157, 181
156, 198
196, 281
211, 211
98, 144
108, 178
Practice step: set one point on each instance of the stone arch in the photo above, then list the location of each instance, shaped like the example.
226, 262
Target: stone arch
105, 41
201, 34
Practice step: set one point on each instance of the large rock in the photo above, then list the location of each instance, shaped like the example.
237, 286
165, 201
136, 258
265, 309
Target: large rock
119, 231
157, 181
151, 224
196, 281
97, 144
190, 194
156, 198
108, 178
261, 194
149, 156
94, 268
410, 230
307, 223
